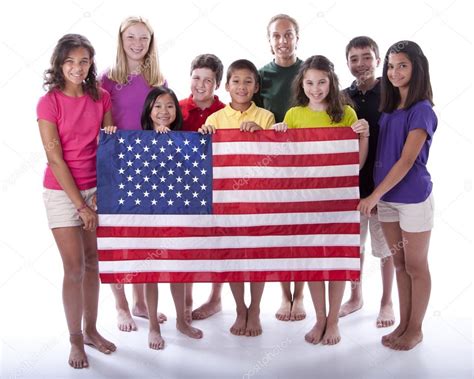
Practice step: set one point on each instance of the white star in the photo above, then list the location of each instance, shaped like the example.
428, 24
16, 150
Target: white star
154, 141
195, 194
154, 172
153, 202
154, 187
170, 157
170, 142
138, 186
203, 187
186, 157
186, 172
162, 149
195, 164
122, 186
170, 171
171, 187
162, 194
145, 149
146, 164
145, 193
121, 140
129, 148
162, 179
129, 193
179, 179
203, 141
146, 179
137, 156
170, 202
187, 187
186, 202
121, 201
195, 179
179, 164
162, 164
186, 142
129, 178
203, 172
138, 171
154, 156
138, 140
195, 149
179, 194
203, 156
178, 150
121, 171
121, 155
137, 201
203, 202
129, 163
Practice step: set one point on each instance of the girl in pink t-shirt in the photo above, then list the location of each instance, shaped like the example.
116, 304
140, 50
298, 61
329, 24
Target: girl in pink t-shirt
69, 118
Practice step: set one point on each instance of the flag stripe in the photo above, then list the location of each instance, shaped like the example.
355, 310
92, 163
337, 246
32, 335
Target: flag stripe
245, 183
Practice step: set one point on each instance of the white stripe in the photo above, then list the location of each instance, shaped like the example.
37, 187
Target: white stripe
297, 264
228, 242
285, 172
285, 148
283, 196
230, 220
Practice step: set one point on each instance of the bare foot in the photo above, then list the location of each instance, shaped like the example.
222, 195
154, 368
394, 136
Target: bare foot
125, 321
386, 316
140, 311
388, 339
206, 310
77, 356
284, 312
314, 335
95, 340
254, 327
155, 341
331, 335
188, 330
407, 340
297, 310
238, 328
350, 306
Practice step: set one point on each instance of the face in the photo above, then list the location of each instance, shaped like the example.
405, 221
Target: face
399, 70
316, 87
136, 41
362, 63
203, 84
242, 86
163, 112
283, 39
76, 66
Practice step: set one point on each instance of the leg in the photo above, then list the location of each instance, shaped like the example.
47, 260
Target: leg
155, 341
239, 326
393, 236
70, 247
178, 293
336, 292
188, 302
318, 294
297, 306
284, 312
416, 263
125, 321
254, 327
386, 316
139, 303
212, 306
90, 295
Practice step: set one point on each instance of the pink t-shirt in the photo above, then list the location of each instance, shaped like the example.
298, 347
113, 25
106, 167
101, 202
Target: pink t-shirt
78, 120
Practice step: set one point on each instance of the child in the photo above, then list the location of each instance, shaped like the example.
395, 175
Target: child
362, 55
161, 113
136, 70
403, 187
70, 183
242, 113
274, 95
321, 104
206, 76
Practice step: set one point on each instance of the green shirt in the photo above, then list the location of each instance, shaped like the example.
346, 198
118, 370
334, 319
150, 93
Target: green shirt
275, 90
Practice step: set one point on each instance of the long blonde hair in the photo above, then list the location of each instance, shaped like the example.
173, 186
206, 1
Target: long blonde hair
149, 69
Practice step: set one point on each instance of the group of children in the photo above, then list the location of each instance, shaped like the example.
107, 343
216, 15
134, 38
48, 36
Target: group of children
393, 117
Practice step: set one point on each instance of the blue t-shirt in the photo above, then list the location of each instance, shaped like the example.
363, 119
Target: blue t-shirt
416, 186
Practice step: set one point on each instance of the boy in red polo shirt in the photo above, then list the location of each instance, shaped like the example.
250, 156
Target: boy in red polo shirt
206, 76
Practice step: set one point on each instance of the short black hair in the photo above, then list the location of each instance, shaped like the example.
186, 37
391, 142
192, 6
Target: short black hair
243, 64
361, 42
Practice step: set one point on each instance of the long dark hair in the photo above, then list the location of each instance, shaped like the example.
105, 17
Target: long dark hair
335, 99
419, 86
147, 123
54, 77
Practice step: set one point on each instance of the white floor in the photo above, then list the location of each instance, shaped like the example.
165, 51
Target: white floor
34, 337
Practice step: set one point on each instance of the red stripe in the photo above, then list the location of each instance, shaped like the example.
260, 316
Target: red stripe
293, 135
265, 230
277, 160
222, 277
303, 206
286, 183
220, 254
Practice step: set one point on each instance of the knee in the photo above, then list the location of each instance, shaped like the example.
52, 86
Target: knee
74, 272
417, 270
90, 260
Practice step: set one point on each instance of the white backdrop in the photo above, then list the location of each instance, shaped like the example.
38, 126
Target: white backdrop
231, 30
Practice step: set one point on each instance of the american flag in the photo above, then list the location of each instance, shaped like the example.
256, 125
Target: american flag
234, 206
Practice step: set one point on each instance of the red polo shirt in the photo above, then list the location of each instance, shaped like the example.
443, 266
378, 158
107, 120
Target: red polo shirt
193, 116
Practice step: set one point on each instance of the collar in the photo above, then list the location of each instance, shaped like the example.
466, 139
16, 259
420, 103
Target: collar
191, 105
231, 112
353, 90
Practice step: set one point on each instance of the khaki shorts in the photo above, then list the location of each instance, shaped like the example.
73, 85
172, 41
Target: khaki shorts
413, 218
60, 210
377, 239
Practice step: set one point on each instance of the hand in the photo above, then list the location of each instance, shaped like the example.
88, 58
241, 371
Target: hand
361, 127
367, 205
94, 202
207, 129
250, 126
280, 127
162, 129
110, 129
89, 218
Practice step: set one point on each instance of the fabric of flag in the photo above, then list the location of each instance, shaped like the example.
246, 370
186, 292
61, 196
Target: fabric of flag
233, 206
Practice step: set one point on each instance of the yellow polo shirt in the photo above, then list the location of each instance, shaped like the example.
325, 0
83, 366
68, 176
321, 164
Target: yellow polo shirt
305, 117
229, 118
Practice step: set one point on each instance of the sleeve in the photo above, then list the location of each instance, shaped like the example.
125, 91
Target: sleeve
269, 120
289, 118
106, 101
423, 117
47, 109
350, 115
211, 120
105, 82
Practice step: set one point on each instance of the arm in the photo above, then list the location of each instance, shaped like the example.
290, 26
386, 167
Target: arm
361, 127
413, 145
54, 153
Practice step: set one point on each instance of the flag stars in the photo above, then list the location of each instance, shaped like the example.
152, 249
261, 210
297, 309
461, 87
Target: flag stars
121, 186
129, 193
138, 171
138, 186
129, 148
138, 141
154, 187
146, 149
146, 193
203, 187
187, 187
162, 179
203, 171
138, 201
162, 149
178, 150
170, 157
162, 164
146, 179
179, 164
186, 142
170, 142
137, 156
129, 178
195, 149
186, 202
129, 163
178, 195
186, 172
195, 179
162, 194
195, 194
121, 140
146, 164
170, 171
121, 155
154, 141
171, 187
154, 202
203, 156
179, 179
195, 164
121, 201
203, 202
203, 141
121, 171
154, 156
170, 202
186, 157
154, 171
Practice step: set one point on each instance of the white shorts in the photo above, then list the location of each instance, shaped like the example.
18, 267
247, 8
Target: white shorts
60, 210
377, 239
413, 218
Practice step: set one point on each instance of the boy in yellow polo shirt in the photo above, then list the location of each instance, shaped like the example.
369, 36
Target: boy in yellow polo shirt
242, 113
